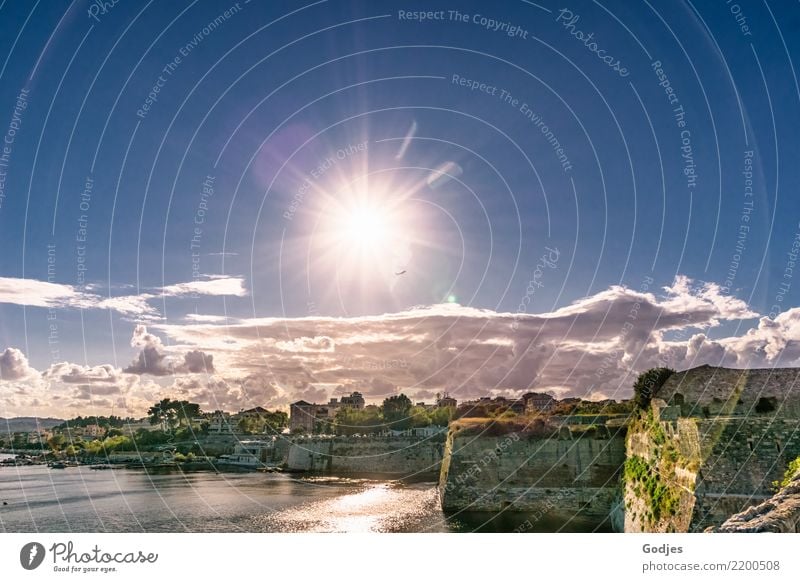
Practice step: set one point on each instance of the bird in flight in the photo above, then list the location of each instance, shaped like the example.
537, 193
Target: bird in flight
401, 273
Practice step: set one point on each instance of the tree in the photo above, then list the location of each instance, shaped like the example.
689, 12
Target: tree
323, 427
19, 441
148, 438
419, 417
160, 413
276, 421
349, 421
441, 416
396, 412
55, 442
648, 384
249, 425
117, 443
167, 412
185, 411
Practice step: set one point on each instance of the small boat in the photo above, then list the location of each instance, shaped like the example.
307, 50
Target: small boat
58, 465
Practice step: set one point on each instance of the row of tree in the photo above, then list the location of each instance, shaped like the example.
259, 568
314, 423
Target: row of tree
173, 413
106, 422
395, 413
176, 414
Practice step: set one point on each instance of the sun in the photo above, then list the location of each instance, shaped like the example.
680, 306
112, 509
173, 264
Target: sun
365, 227
366, 235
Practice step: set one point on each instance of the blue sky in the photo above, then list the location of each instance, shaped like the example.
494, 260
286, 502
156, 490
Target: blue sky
271, 166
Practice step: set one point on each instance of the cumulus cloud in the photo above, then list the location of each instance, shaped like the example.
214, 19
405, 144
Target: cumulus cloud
77, 374
218, 393
306, 344
14, 365
592, 348
154, 359
197, 362
66, 389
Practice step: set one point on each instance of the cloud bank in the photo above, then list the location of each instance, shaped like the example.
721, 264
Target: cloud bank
592, 348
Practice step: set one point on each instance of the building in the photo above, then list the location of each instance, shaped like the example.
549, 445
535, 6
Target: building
39, 437
93, 431
257, 412
517, 406
302, 416
445, 401
129, 428
355, 400
323, 417
538, 402
305, 416
250, 453
220, 423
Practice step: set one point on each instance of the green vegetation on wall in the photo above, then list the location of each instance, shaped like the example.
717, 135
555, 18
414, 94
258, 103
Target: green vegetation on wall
791, 471
652, 480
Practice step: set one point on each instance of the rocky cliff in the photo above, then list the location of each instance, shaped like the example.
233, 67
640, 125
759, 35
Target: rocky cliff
779, 514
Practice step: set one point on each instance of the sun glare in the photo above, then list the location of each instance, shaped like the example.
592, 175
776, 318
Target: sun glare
365, 227
367, 235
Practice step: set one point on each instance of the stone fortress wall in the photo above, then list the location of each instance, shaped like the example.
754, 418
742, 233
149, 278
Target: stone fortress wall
402, 457
571, 475
729, 435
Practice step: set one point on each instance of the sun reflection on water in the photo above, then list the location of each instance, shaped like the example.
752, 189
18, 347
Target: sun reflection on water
375, 508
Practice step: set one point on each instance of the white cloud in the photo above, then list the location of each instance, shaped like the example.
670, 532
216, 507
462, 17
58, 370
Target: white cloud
213, 285
77, 374
34, 293
205, 318
594, 344
307, 344
14, 365
590, 348
155, 360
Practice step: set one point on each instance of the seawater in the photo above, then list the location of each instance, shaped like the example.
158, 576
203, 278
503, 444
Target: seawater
78, 499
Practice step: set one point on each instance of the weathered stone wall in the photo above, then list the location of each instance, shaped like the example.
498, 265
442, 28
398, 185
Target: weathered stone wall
403, 457
660, 474
708, 391
736, 433
743, 457
572, 475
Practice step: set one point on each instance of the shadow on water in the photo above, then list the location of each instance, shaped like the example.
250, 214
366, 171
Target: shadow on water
514, 522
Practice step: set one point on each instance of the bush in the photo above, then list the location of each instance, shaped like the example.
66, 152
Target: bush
791, 471
648, 384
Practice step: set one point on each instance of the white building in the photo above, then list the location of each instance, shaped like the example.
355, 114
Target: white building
250, 453
220, 422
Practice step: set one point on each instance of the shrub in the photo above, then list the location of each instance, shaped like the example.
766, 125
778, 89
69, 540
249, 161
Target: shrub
791, 471
648, 384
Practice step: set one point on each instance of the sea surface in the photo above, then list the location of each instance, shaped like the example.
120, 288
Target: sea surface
78, 499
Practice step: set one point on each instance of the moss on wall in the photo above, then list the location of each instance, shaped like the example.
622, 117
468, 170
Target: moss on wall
658, 477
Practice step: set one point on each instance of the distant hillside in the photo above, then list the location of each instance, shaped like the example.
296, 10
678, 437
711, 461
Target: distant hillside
26, 423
